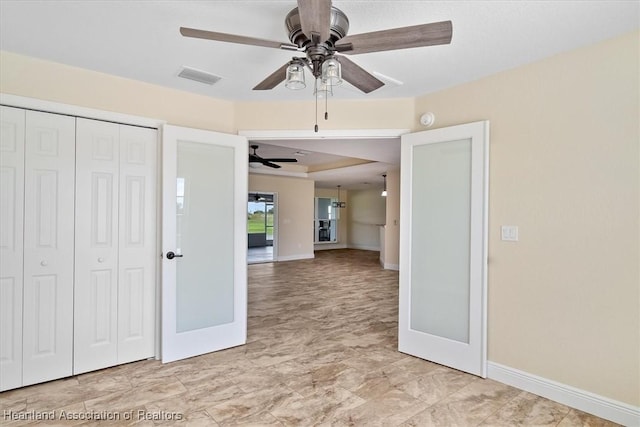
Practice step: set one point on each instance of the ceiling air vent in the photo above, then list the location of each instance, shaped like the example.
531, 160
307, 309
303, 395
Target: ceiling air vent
199, 76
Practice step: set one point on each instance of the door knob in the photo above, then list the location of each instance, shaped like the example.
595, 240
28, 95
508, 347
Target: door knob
171, 255
44, 263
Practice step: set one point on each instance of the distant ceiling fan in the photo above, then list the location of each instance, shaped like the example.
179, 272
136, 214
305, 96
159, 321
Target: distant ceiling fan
319, 30
257, 161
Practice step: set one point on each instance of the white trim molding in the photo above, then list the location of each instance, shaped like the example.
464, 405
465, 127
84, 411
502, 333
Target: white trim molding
331, 133
388, 266
271, 171
592, 403
296, 257
365, 247
76, 110
328, 246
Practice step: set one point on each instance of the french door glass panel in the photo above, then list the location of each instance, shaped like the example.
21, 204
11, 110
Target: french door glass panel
205, 273
441, 218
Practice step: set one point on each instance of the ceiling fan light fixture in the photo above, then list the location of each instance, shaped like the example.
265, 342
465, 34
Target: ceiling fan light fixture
331, 72
295, 76
322, 89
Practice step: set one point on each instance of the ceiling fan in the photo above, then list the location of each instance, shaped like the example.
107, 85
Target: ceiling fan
257, 161
319, 30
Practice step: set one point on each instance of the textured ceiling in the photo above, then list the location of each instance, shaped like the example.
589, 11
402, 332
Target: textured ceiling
140, 39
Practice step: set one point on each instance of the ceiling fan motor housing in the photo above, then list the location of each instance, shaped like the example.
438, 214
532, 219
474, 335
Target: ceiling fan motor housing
338, 27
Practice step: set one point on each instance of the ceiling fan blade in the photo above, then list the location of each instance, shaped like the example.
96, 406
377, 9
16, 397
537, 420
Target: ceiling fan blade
271, 165
398, 38
314, 19
358, 76
283, 160
233, 38
274, 79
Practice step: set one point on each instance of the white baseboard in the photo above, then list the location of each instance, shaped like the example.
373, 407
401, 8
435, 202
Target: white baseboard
296, 257
388, 266
600, 406
326, 247
365, 247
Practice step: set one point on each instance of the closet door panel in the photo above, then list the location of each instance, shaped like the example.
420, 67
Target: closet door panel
137, 243
48, 247
96, 287
12, 124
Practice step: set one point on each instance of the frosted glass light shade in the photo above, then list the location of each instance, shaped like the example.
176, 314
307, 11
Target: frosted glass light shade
331, 72
295, 77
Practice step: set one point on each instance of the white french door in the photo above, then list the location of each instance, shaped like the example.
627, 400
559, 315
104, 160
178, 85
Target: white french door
443, 246
204, 244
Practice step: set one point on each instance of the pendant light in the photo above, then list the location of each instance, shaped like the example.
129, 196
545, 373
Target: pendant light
384, 188
339, 204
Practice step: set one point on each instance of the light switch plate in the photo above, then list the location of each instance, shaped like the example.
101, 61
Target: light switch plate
509, 233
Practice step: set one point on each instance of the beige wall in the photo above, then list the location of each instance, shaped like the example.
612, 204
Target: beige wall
35, 78
366, 215
363, 114
343, 224
295, 213
564, 301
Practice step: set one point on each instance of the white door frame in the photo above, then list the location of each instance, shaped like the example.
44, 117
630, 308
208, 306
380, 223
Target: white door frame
275, 221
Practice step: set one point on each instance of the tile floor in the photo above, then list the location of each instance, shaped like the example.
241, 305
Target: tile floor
260, 254
321, 351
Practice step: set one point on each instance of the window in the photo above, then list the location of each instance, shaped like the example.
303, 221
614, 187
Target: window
326, 220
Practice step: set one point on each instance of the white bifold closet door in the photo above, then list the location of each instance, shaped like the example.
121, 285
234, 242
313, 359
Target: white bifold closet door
48, 247
11, 245
36, 284
115, 244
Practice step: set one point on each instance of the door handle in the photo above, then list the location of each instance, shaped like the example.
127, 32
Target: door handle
171, 255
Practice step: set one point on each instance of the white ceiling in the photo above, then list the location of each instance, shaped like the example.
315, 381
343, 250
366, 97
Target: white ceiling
140, 39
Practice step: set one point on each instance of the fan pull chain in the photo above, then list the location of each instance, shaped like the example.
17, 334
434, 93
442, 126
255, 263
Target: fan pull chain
326, 104
316, 116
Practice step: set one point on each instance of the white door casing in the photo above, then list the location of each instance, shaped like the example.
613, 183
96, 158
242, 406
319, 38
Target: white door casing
443, 246
204, 288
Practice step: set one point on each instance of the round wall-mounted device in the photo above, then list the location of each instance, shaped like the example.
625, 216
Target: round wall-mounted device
427, 119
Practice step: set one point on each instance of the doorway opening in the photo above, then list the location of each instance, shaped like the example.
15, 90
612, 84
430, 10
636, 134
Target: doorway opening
261, 227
